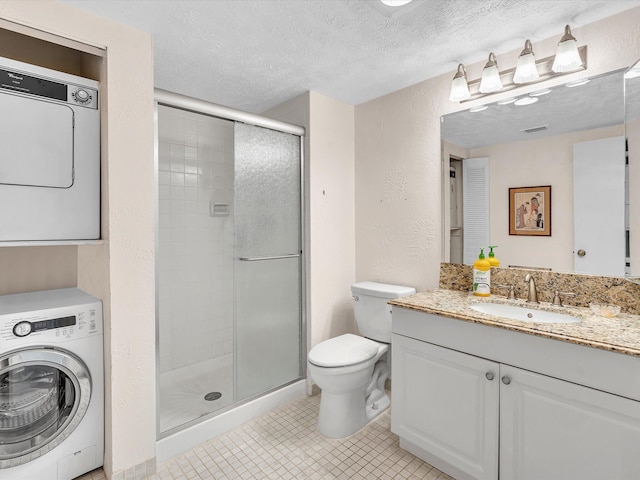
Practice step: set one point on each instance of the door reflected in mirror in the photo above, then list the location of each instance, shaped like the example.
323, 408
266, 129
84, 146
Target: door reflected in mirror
571, 138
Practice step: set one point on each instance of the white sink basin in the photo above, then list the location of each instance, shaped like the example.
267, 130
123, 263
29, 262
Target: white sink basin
523, 314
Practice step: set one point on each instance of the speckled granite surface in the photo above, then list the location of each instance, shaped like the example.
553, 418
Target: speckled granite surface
588, 288
619, 334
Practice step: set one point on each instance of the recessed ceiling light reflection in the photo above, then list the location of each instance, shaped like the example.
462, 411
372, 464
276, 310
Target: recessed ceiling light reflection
479, 108
577, 83
506, 101
395, 3
526, 101
539, 93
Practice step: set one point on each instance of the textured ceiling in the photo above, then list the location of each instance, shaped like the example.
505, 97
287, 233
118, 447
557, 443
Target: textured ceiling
254, 54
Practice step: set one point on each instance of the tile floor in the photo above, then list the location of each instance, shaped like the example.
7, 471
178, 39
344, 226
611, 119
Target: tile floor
284, 444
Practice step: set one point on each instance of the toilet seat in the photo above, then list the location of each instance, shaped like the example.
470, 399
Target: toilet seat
342, 351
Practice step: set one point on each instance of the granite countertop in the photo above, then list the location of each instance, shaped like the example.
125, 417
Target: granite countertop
619, 334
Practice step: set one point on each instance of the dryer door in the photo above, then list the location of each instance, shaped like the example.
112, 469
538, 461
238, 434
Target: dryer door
36, 142
44, 393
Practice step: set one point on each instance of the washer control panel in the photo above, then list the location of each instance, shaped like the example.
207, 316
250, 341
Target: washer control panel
58, 322
25, 327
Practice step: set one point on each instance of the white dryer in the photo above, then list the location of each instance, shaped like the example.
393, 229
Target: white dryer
51, 385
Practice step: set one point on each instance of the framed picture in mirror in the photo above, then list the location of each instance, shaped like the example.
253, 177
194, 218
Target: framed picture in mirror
530, 211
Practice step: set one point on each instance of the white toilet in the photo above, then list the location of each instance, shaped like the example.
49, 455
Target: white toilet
350, 370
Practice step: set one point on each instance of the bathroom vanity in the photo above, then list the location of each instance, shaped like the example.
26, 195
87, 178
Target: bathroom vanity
483, 397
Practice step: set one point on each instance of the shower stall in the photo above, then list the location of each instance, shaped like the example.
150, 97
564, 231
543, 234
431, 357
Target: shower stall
230, 283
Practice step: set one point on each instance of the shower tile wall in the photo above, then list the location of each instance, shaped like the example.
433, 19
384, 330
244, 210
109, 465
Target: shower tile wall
195, 256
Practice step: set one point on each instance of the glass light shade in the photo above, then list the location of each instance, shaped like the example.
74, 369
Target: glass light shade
459, 87
490, 81
526, 70
567, 57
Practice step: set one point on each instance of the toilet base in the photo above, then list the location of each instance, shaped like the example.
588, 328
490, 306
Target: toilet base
341, 414
376, 408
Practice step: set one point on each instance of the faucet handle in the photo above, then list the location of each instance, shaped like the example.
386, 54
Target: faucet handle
512, 292
557, 300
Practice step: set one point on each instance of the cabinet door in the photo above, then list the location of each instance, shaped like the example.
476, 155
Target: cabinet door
446, 404
555, 429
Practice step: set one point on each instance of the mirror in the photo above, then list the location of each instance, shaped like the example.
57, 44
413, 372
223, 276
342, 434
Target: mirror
632, 130
571, 139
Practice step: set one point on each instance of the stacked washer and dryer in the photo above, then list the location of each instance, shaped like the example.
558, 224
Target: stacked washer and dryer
51, 342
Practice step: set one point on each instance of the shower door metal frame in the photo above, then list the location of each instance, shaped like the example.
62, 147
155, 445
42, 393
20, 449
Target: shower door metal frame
182, 102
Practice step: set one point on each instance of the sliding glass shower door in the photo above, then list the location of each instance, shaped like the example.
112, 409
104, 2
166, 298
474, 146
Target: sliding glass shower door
267, 259
228, 264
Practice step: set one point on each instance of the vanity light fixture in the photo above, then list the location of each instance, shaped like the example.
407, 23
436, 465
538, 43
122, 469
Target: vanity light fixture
567, 56
506, 101
459, 86
526, 70
491, 81
479, 108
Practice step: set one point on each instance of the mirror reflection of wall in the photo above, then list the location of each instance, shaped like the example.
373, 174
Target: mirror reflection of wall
533, 145
455, 207
632, 131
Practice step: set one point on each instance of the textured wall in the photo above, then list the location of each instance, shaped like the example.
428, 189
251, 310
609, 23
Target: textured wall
330, 210
398, 157
120, 272
37, 268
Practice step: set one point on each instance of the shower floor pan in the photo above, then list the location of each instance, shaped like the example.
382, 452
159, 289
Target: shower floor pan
195, 391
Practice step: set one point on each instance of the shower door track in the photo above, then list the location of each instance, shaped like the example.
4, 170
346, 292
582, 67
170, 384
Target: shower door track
171, 99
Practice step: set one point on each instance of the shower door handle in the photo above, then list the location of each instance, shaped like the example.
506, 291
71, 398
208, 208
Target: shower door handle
270, 257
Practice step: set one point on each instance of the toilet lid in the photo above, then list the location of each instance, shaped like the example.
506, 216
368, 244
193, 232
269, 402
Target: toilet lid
344, 350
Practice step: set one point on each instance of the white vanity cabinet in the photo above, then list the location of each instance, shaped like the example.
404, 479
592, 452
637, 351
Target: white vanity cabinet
482, 402
446, 403
551, 428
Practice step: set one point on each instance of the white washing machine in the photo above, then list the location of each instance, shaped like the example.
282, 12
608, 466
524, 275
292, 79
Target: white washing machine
51, 385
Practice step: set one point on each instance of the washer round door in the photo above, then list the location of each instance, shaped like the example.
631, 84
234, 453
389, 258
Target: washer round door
44, 393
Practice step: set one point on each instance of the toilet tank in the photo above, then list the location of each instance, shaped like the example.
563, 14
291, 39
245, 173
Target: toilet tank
372, 314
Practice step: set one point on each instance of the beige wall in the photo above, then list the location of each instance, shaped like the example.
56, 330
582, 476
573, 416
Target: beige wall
398, 156
29, 269
332, 216
120, 271
330, 210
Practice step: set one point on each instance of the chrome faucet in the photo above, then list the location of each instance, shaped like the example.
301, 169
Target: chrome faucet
532, 296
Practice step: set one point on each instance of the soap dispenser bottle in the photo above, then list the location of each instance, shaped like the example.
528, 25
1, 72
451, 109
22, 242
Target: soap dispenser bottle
481, 276
493, 261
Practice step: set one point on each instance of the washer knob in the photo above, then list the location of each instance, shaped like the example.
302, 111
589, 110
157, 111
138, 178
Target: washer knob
22, 329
